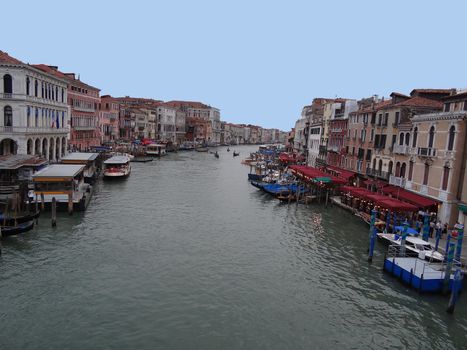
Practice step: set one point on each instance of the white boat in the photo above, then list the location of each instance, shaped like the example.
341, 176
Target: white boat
156, 150
117, 167
422, 248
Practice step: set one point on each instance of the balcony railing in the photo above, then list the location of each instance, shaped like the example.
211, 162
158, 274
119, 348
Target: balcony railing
31, 130
8, 96
397, 181
401, 149
426, 152
376, 173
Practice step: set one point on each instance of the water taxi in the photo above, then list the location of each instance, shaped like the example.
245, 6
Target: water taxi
117, 167
156, 150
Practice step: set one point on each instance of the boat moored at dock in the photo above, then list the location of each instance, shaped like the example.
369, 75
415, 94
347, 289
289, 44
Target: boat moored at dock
117, 167
63, 182
156, 150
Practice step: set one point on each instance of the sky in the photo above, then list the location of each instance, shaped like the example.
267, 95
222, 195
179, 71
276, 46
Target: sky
258, 61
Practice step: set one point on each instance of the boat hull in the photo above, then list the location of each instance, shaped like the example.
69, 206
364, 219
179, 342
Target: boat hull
16, 230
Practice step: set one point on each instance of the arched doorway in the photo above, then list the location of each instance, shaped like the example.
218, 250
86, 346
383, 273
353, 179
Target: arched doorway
45, 149
63, 146
37, 147
51, 150
8, 146
390, 167
29, 146
57, 149
398, 169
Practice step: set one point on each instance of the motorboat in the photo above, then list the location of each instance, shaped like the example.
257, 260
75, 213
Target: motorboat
117, 167
420, 248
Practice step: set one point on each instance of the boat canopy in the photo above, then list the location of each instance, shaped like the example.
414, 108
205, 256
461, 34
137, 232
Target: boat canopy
58, 171
117, 160
80, 156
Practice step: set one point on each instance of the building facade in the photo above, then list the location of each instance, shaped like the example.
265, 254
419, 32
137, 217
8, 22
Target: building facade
34, 110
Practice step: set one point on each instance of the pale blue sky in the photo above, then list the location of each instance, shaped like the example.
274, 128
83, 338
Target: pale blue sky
258, 61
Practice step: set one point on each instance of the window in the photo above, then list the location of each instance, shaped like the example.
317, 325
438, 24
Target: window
447, 107
396, 120
7, 84
452, 133
410, 170
63, 94
407, 138
28, 120
401, 139
403, 167
36, 84
368, 154
27, 85
465, 105
445, 178
414, 140
42, 87
7, 116
385, 120
380, 119
426, 174
431, 137
372, 135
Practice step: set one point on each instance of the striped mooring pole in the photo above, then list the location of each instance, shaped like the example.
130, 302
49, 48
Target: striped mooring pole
426, 227
372, 235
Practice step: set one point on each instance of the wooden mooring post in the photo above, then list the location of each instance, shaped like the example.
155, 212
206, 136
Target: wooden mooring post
70, 203
54, 212
42, 201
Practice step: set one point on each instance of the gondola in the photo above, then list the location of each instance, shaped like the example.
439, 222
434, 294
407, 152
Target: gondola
12, 221
228, 149
216, 155
256, 177
15, 230
236, 154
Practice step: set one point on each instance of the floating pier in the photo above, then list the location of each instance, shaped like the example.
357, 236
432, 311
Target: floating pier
422, 275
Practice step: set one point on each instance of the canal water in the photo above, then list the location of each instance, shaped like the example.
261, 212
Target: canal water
185, 254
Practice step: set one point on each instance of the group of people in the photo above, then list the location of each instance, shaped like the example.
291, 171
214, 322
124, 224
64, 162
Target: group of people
436, 225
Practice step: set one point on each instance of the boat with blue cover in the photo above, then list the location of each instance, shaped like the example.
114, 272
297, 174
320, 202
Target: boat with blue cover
256, 177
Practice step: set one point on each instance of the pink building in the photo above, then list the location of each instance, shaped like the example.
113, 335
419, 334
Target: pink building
109, 111
83, 100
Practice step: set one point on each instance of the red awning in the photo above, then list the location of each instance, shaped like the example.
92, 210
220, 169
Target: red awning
396, 205
310, 173
339, 172
416, 199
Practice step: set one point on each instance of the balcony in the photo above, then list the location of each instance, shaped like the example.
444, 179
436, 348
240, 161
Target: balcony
426, 152
397, 181
375, 173
8, 96
401, 149
31, 130
84, 128
336, 130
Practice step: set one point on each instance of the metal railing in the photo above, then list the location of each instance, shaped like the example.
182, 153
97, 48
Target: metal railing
426, 152
397, 181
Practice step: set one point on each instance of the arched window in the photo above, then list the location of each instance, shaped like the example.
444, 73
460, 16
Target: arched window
445, 178
63, 94
398, 169
403, 167
390, 167
452, 134
56, 93
7, 84
380, 166
431, 137
7, 116
407, 138
410, 170
43, 92
426, 174
63, 120
414, 140
401, 139
27, 85
36, 87
37, 117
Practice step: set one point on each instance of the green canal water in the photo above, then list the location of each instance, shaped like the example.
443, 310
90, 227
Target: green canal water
185, 254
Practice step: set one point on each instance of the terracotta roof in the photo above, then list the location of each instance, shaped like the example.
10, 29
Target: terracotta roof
6, 58
432, 91
399, 94
188, 104
67, 76
461, 95
420, 102
376, 106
